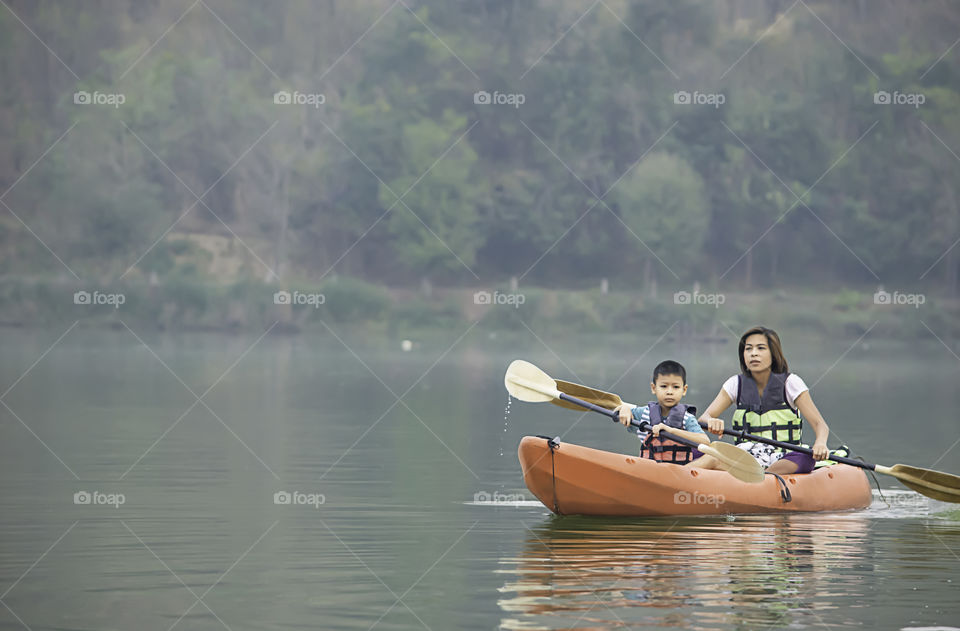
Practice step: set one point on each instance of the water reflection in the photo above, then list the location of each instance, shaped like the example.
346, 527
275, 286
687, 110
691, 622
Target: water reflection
694, 573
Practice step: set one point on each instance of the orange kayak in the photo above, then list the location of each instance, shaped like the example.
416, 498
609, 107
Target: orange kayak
574, 480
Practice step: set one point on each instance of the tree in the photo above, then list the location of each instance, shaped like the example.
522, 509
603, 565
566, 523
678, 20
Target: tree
663, 203
435, 223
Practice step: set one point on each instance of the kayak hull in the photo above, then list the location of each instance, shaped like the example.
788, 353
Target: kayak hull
576, 480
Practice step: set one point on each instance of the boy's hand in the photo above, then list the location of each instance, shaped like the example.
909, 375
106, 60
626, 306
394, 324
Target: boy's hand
820, 451
626, 414
714, 425
655, 430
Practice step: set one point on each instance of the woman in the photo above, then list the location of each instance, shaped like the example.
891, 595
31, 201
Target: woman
769, 403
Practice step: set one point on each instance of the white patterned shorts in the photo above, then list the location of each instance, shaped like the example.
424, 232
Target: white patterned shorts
765, 454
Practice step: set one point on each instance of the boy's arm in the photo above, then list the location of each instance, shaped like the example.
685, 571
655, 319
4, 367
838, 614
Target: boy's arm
627, 413
691, 425
699, 438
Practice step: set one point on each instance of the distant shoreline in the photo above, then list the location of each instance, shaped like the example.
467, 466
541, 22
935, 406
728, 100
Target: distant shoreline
190, 305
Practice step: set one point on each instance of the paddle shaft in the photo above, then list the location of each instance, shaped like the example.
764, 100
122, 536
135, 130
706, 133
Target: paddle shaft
742, 435
616, 417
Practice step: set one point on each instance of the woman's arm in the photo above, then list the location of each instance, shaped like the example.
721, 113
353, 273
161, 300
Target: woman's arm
715, 409
811, 414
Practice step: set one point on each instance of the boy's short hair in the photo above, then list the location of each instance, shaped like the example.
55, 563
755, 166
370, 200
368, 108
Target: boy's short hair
670, 367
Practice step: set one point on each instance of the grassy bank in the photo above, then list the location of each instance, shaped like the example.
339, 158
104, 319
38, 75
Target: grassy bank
191, 305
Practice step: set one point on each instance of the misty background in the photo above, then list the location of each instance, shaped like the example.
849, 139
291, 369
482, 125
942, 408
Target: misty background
397, 157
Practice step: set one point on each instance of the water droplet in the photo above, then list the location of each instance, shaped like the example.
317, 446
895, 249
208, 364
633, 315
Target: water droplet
506, 422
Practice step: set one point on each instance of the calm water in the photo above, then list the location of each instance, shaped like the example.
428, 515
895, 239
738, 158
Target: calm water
382, 530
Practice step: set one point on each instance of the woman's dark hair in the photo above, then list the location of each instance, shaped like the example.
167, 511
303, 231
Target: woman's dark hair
778, 363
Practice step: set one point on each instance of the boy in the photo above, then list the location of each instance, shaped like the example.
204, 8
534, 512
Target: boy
669, 385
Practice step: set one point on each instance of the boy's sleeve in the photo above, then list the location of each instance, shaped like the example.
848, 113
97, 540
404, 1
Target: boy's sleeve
642, 414
691, 425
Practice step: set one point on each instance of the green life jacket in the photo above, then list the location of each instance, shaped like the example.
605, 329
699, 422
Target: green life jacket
769, 416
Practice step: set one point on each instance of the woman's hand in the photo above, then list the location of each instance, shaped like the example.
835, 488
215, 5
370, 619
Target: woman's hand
655, 430
626, 414
820, 451
714, 425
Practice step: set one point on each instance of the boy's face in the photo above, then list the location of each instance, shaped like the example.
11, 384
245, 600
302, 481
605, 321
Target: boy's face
669, 389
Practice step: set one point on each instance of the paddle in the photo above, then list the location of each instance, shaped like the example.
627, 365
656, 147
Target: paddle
526, 382
938, 485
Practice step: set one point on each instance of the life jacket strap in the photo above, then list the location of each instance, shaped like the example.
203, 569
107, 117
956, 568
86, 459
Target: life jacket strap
663, 450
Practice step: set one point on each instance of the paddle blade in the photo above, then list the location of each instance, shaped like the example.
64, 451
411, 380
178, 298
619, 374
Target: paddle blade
528, 383
591, 395
736, 461
938, 485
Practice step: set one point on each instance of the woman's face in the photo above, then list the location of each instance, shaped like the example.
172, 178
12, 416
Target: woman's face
756, 353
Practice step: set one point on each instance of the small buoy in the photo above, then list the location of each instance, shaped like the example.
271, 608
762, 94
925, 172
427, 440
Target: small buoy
406, 345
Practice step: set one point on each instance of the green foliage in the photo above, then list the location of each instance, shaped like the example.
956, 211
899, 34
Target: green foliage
423, 314
663, 203
847, 300
436, 219
351, 299
764, 190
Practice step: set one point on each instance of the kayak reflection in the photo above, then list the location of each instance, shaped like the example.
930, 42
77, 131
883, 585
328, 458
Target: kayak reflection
589, 573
